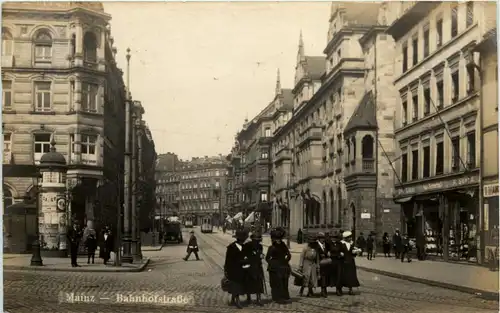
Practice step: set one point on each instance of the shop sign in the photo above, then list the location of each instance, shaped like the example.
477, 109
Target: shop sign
365, 216
438, 186
490, 190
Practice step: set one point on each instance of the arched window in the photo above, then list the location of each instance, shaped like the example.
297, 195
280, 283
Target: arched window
8, 200
332, 208
43, 47
339, 205
367, 147
90, 47
7, 42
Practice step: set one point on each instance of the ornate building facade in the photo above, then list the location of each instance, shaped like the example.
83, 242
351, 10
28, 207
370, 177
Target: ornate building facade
60, 80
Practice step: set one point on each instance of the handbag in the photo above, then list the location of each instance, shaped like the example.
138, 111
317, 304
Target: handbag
225, 284
325, 262
298, 278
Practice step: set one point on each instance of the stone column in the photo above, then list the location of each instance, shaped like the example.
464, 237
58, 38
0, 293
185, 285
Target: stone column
79, 44
77, 94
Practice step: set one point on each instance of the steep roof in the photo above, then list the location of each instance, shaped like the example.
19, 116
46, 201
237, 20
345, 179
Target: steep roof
315, 66
359, 13
287, 98
364, 116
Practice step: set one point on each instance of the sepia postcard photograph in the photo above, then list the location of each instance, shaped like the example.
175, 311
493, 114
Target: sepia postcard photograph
226, 156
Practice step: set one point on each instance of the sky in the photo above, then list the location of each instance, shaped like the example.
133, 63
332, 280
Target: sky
200, 69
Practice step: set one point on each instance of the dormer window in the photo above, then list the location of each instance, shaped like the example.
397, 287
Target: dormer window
43, 47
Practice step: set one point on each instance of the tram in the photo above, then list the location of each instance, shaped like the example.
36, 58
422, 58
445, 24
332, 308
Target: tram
188, 223
206, 225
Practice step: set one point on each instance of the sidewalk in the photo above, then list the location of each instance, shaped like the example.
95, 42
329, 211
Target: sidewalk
151, 248
22, 262
461, 277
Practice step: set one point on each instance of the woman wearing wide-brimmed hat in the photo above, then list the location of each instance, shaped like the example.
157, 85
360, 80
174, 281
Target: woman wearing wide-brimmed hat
337, 256
278, 257
254, 280
309, 267
234, 267
349, 271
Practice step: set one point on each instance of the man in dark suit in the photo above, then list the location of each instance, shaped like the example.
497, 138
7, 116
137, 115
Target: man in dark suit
325, 263
192, 247
74, 235
235, 265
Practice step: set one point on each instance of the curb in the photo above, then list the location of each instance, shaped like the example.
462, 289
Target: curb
488, 295
141, 268
155, 249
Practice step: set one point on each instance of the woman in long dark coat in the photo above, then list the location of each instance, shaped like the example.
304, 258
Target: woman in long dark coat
107, 245
91, 245
337, 255
278, 257
254, 280
234, 267
349, 274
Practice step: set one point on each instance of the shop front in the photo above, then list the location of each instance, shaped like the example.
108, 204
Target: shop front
491, 217
443, 217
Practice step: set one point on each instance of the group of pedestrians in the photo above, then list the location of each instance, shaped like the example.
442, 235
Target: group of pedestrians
328, 261
91, 241
244, 271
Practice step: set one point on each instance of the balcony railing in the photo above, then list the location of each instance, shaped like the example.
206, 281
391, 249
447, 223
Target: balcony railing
368, 165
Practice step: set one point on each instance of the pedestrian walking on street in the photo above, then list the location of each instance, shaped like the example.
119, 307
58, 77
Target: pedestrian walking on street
397, 243
192, 247
370, 245
234, 266
309, 267
406, 248
74, 235
325, 263
349, 270
361, 243
386, 244
107, 245
278, 257
337, 256
254, 281
91, 245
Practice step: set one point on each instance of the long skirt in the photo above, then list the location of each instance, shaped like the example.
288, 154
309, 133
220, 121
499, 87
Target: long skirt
278, 279
324, 272
254, 280
336, 275
349, 275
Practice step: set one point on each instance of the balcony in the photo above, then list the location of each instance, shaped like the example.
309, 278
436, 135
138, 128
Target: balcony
361, 166
311, 134
282, 155
347, 65
7, 61
411, 14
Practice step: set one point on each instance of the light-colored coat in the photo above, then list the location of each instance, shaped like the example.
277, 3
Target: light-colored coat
309, 265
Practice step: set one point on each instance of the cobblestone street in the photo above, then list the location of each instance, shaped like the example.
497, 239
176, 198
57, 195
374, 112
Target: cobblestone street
168, 274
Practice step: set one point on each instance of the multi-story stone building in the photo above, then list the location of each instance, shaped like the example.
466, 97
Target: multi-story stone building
254, 146
201, 188
488, 66
437, 125
369, 138
167, 184
60, 80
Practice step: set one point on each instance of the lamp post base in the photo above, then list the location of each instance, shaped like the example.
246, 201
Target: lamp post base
127, 255
36, 257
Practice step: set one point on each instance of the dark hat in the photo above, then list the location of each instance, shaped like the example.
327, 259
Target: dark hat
278, 233
311, 238
256, 236
336, 236
241, 234
191, 232
320, 235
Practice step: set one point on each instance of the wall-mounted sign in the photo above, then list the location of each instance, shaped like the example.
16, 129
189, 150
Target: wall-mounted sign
490, 190
365, 216
437, 186
387, 210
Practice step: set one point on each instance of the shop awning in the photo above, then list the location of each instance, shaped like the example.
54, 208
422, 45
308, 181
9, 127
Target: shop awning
238, 216
250, 218
403, 200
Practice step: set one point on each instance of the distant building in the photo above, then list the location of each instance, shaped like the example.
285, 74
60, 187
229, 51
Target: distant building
167, 184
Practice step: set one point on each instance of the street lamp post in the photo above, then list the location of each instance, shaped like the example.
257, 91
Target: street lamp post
36, 257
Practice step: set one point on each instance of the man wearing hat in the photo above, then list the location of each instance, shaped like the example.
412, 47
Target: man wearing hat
254, 280
235, 265
349, 274
192, 247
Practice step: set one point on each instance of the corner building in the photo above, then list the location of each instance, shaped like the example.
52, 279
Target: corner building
60, 80
437, 125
